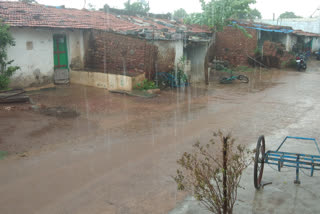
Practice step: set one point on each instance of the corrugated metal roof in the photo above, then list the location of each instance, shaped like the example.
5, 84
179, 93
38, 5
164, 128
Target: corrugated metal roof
264, 27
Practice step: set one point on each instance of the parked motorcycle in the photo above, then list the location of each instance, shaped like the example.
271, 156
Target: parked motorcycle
301, 62
318, 54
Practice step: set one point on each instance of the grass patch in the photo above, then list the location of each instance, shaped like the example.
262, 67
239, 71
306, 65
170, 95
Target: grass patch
243, 68
3, 154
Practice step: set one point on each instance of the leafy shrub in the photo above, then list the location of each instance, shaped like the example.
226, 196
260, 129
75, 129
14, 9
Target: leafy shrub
257, 52
145, 85
244, 68
211, 178
6, 71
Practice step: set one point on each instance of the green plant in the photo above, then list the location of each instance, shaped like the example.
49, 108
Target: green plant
288, 15
291, 63
219, 13
213, 179
3, 154
145, 85
180, 14
243, 68
257, 52
227, 70
139, 6
6, 71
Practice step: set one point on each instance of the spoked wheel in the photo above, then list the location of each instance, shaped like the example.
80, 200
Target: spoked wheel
259, 162
225, 80
243, 78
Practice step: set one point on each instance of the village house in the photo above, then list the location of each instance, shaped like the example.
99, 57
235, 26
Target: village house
273, 42
98, 48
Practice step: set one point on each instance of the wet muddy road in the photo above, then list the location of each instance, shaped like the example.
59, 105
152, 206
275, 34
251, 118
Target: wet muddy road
119, 155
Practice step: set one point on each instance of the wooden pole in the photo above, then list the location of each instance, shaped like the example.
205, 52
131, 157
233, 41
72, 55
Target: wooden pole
224, 178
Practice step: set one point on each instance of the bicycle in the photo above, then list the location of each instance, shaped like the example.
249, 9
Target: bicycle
227, 80
166, 79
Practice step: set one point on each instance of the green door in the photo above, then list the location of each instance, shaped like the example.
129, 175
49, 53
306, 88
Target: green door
60, 52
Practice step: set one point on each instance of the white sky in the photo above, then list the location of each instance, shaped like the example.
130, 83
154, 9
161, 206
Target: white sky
267, 7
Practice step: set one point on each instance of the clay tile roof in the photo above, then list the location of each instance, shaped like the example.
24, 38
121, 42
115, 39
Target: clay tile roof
302, 33
22, 14
172, 26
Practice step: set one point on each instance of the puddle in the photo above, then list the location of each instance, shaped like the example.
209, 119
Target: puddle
59, 111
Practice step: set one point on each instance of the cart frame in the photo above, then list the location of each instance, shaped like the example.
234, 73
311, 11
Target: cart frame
283, 159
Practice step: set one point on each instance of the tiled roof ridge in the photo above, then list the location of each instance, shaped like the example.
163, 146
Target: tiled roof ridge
21, 14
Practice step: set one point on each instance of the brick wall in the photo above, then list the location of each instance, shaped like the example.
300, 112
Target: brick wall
232, 45
114, 53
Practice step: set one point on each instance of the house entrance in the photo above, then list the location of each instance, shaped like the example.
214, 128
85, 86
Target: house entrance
61, 70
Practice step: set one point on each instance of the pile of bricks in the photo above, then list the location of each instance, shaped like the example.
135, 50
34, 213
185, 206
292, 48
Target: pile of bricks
113, 53
275, 54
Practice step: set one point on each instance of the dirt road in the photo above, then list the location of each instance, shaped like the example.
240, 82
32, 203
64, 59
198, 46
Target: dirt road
119, 155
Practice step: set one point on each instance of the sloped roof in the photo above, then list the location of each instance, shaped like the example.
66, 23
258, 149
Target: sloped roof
20, 14
302, 33
264, 27
160, 24
274, 28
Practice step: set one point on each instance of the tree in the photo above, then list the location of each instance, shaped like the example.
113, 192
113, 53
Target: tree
255, 14
139, 6
91, 7
218, 13
288, 15
29, 1
213, 180
180, 14
251, 14
5, 70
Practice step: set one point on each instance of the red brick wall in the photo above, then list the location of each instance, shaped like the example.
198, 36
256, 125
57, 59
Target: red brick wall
232, 45
108, 52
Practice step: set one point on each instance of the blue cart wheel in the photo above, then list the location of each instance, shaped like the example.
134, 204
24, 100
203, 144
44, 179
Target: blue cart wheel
259, 162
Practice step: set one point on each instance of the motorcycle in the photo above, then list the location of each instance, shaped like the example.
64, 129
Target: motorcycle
318, 54
301, 62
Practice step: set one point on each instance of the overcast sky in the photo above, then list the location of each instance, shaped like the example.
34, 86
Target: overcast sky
267, 7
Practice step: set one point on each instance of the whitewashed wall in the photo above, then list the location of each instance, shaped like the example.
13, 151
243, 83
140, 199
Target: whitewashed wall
316, 44
196, 54
164, 46
33, 52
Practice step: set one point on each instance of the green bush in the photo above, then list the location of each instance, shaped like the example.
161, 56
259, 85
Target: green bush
145, 85
244, 68
291, 63
6, 71
5, 75
257, 52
